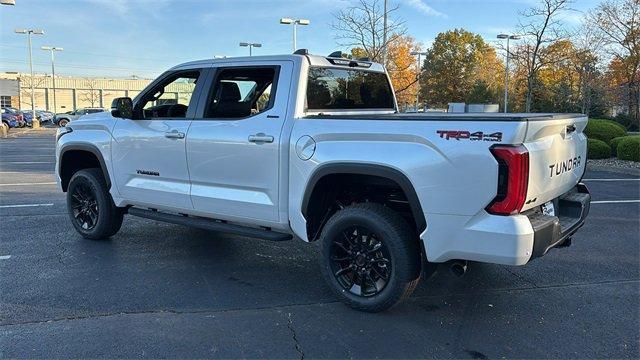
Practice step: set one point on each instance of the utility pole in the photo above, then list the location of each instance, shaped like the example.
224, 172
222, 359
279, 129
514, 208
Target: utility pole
53, 49
28, 32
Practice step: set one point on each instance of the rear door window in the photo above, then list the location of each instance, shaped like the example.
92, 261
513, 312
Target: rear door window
240, 92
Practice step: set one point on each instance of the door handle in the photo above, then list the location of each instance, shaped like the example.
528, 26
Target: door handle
174, 134
260, 138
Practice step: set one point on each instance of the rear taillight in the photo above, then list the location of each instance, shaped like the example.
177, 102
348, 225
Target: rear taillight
513, 179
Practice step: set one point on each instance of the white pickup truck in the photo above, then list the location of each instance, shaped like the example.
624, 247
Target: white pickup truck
313, 148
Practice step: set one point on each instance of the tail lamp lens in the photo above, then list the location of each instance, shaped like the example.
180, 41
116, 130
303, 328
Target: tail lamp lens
513, 179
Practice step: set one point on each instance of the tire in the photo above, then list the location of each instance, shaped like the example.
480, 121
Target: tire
390, 257
63, 122
90, 206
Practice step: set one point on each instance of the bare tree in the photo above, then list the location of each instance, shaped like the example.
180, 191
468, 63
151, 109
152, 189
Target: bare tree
588, 44
362, 26
539, 28
618, 22
39, 82
92, 92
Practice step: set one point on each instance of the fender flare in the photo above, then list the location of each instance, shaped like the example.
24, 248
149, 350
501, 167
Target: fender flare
88, 148
368, 169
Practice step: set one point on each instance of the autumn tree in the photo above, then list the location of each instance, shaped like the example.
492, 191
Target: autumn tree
403, 69
539, 27
618, 22
460, 67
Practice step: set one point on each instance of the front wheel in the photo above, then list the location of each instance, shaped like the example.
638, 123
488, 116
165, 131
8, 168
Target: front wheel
91, 209
370, 257
63, 122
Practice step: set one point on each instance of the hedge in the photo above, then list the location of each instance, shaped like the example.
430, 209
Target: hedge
615, 141
612, 122
604, 130
598, 149
629, 148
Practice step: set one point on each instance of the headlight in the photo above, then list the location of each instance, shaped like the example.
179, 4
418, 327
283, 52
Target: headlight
62, 131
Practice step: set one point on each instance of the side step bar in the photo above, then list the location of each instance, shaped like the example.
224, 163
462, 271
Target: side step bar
210, 224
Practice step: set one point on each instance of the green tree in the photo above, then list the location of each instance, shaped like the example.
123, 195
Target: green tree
460, 67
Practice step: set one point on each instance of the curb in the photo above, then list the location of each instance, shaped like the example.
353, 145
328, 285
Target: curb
617, 170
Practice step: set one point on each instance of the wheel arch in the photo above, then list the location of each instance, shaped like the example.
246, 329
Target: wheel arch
381, 171
80, 156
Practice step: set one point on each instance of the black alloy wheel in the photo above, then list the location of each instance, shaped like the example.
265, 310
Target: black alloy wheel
85, 206
360, 261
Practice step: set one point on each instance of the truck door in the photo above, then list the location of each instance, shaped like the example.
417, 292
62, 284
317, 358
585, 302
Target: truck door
234, 150
149, 156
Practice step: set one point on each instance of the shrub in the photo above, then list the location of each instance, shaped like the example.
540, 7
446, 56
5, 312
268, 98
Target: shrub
629, 148
615, 141
598, 149
604, 130
614, 144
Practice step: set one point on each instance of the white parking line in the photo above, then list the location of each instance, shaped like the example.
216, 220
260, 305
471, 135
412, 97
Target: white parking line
29, 184
615, 201
23, 205
5, 257
610, 179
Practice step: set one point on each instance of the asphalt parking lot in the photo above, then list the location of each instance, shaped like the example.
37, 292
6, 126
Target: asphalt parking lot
158, 290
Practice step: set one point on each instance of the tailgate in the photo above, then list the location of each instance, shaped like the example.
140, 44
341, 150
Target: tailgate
557, 156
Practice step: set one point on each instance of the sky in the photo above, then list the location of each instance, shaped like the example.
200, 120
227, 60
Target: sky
121, 38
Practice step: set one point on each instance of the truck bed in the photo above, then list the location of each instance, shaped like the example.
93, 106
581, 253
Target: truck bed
509, 117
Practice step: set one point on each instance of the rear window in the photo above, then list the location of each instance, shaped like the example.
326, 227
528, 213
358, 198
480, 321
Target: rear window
347, 89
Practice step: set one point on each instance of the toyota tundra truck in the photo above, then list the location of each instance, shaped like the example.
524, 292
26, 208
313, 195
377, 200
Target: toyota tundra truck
314, 148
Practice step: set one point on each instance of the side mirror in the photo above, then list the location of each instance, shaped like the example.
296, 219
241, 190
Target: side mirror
122, 107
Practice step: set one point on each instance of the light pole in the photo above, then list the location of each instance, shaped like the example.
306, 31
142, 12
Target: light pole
295, 23
53, 49
28, 32
506, 68
384, 36
419, 53
250, 46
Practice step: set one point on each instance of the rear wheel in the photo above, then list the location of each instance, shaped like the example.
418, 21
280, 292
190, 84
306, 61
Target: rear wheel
370, 257
63, 122
90, 206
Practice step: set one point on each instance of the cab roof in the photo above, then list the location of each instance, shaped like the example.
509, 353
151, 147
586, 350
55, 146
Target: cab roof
313, 60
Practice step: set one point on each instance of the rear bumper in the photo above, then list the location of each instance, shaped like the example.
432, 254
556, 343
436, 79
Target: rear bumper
551, 231
508, 240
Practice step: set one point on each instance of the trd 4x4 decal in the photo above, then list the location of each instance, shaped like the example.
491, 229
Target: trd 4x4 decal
468, 135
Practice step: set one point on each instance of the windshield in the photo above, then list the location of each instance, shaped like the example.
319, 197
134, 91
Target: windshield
348, 89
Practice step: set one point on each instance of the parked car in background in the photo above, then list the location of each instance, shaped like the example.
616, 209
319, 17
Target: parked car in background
9, 119
64, 118
18, 114
28, 117
45, 116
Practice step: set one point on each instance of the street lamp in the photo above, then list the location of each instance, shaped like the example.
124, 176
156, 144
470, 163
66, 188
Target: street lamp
295, 23
28, 32
250, 46
506, 68
53, 49
419, 53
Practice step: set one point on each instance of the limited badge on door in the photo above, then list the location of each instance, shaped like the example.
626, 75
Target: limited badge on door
548, 209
